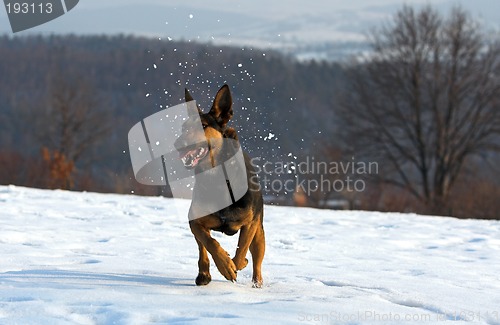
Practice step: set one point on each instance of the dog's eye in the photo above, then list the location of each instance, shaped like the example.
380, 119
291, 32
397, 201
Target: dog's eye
205, 126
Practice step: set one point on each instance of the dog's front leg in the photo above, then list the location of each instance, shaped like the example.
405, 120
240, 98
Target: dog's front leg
221, 258
247, 234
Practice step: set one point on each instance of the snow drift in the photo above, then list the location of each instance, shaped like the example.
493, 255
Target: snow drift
87, 258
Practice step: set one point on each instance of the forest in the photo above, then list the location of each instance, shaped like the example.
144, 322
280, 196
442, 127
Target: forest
68, 102
110, 83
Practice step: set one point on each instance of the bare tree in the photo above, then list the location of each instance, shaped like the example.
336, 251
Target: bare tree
71, 120
425, 101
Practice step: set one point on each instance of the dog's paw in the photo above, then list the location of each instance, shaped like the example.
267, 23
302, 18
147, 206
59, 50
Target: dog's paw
241, 264
226, 267
257, 282
203, 279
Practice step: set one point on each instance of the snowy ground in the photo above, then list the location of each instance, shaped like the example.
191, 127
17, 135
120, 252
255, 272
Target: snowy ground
86, 258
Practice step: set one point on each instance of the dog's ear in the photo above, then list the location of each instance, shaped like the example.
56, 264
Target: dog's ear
189, 98
222, 108
230, 133
187, 95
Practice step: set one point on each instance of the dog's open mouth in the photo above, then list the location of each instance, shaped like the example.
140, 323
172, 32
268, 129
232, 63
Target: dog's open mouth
191, 158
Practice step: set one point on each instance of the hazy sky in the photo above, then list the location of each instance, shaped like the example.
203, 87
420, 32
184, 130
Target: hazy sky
255, 22
266, 8
287, 8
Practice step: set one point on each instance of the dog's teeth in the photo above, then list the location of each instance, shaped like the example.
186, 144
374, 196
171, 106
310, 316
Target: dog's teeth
187, 159
191, 158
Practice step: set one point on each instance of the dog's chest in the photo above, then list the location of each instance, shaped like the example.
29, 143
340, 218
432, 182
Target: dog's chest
230, 223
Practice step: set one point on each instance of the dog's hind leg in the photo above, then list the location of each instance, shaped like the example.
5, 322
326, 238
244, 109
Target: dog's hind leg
257, 249
204, 276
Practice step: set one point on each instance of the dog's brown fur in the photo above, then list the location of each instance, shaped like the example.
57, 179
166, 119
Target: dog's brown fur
245, 215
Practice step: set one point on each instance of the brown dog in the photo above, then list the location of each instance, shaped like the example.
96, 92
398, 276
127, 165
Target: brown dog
244, 214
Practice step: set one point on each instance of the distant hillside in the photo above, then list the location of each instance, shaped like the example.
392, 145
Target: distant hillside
322, 29
284, 111
133, 77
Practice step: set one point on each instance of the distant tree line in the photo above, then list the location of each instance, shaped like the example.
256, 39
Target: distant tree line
423, 106
79, 96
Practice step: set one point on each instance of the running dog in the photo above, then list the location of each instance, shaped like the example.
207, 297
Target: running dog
244, 215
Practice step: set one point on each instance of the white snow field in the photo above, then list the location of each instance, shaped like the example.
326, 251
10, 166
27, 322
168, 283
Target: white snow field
86, 258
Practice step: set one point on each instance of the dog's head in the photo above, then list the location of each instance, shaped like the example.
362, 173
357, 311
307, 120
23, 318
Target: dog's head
208, 147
